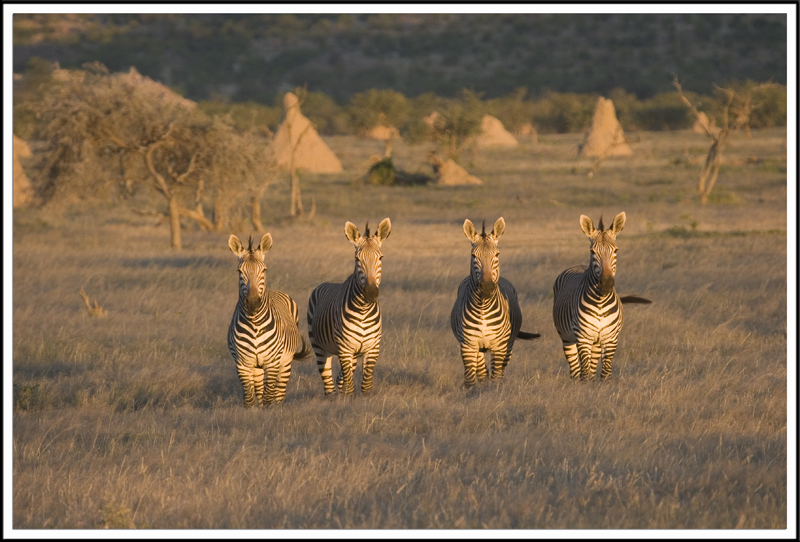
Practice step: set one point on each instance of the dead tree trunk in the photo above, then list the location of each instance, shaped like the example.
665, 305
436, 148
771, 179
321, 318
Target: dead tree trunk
174, 223
256, 213
710, 171
708, 175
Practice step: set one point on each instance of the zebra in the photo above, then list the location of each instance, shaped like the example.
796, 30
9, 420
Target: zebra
263, 336
586, 308
344, 319
486, 315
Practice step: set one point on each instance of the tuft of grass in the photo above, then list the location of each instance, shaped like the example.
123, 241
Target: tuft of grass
116, 516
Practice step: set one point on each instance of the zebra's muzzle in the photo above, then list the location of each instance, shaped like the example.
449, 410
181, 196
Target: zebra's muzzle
487, 288
371, 293
606, 284
252, 301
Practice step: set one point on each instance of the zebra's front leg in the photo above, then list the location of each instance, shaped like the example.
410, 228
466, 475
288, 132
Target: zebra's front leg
347, 362
252, 380
588, 369
282, 379
480, 367
325, 367
499, 361
270, 382
471, 357
368, 366
571, 353
608, 357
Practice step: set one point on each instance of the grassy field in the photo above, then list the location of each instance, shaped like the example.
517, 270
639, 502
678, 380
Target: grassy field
136, 419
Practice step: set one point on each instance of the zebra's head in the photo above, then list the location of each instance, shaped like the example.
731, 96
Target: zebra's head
603, 249
485, 259
368, 256
252, 270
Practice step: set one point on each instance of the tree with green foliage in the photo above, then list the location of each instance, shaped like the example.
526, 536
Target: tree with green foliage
459, 123
378, 107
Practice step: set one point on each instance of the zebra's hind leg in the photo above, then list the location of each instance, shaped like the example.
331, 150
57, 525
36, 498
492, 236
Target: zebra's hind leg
471, 357
571, 353
608, 357
499, 361
367, 367
347, 361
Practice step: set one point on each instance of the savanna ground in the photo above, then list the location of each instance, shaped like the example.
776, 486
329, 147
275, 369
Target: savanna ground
136, 419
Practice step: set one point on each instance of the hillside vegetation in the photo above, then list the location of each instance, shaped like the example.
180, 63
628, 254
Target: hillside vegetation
258, 57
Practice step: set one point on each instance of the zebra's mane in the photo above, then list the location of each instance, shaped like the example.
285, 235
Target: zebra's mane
600, 225
366, 229
250, 244
483, 228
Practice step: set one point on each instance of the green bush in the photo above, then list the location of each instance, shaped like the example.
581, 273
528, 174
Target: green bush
374, 107
384, 173
245, 116
567, 112
664, 111
329, 117
512, 110
769, 107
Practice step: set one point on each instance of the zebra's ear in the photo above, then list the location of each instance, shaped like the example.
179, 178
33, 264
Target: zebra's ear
619, 223
498, 228
351, 232
470, 231
587, 226
266, 243
384, 229
235, 245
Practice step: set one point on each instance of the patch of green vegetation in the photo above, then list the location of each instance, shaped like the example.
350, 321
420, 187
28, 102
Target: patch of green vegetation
772, 167
385, 173
116, 516
723, 198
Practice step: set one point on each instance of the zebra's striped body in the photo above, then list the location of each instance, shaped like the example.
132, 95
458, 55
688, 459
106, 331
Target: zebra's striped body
486, 315
344, 319
263, 336
587, 311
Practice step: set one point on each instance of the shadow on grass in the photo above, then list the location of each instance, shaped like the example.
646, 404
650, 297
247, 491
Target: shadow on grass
176, 262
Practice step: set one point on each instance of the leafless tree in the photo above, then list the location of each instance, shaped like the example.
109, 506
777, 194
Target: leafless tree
241, 165
148, 134
736, 104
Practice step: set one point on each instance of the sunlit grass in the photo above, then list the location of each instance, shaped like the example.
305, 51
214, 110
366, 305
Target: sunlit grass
136, 420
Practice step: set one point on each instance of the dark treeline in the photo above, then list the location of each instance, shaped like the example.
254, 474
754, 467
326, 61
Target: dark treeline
257, 58
549, 112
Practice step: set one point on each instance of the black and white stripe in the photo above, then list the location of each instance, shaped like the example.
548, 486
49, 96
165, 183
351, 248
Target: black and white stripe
263, 337
344, 319
586, 308
486, 315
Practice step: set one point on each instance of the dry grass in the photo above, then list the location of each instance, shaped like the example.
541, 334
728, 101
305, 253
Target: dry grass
135, 420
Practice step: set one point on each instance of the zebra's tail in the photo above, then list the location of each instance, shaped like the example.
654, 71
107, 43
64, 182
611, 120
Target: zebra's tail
525, 336
305, 350
634, 299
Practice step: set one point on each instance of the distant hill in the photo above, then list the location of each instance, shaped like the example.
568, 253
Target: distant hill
258, 57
